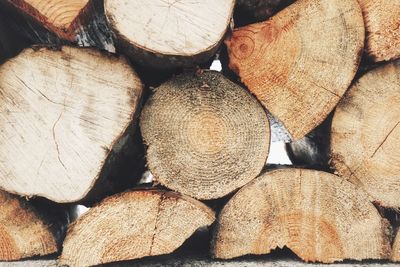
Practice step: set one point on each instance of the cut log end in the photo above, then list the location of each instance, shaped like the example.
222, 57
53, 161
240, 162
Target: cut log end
23, 232
365, 134
294, 65
57, 16
206, 136
134, 225
146, 29
396, 248
61, 114
383, 28
315, 214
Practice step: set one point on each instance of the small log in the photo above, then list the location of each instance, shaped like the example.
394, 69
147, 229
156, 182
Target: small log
59, 22
301, 61
251, 11
26, 231
382, 22
315, 214
168, 34
66, 117
365, 134
206, 136
133, 225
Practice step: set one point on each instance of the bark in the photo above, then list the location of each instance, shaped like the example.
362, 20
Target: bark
317, 215
364, 135
55, 22
29, 229
133, 225
69, 124
158, 34
299, 74
206, 136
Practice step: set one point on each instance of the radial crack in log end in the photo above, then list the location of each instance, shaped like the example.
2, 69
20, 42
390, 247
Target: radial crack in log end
382, 22
66, 122
301, 61
204, 141
134, 225
317, 215
370, 113
25, 232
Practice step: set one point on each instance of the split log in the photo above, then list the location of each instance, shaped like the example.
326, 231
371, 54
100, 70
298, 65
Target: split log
26, 231
168, 34
251, 11
396, 248
364, 138
301, 61
65, 118
206, 136
382, 22
133, 225
315, 214
58, 22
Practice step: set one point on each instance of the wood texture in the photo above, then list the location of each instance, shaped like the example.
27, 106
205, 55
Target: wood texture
382, 22
301, 61
166, 34
133, 225
396, 248
206, 136
25, 232
364, 138
317, 215
64, 120
58, 22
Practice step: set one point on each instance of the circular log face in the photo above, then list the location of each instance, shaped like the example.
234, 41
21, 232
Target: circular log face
133, 225
206, 136
171, 27
382, 22
61, 112
301, 61
23, 233
365, 135
317, 215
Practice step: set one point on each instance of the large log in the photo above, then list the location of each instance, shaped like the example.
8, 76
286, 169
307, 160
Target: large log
66, 118
382, 22
167, 34
206, 136
317, 215
364, 138
301, 61
133, 225
60, 22
26, 231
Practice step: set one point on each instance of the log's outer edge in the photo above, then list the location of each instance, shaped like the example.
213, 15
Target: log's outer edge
147, 57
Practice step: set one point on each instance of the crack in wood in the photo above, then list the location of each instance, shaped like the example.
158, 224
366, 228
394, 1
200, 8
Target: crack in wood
162, 197
384, 140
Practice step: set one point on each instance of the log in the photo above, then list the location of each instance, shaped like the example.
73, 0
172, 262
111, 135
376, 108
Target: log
169, 34
26, 231
301, 61
65, 119
364, 138
317, 215
133, 225
251, 11
206, 136
59, 22
382, 22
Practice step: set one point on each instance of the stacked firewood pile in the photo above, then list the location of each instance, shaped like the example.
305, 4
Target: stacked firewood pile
93, 94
